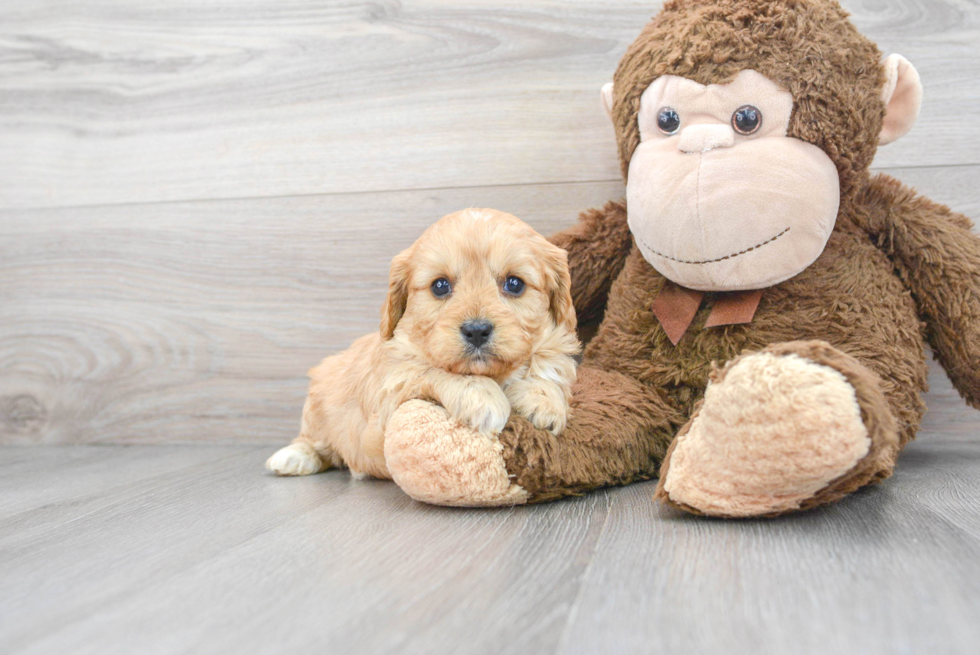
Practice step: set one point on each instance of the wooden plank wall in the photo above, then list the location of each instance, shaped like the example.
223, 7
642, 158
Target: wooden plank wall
200, 200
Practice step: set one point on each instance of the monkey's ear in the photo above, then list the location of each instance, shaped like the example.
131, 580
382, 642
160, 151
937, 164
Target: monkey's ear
902, 94
397, 300
607, 97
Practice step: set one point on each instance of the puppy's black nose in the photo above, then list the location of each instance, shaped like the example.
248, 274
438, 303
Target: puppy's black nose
476, 333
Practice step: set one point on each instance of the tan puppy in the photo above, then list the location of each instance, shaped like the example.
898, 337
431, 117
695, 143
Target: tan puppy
478, 318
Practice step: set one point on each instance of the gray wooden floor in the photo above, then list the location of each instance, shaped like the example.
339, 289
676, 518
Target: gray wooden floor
193, 549
199, 200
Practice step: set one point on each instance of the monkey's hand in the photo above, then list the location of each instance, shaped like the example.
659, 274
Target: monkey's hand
597, 248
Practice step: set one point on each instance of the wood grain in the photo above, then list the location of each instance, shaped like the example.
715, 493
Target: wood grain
892, 569
36, 483
121, 102
193, 549
218, 558
196, 322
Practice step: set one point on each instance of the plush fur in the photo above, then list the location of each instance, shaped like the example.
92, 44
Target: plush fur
437, 460
527, 363
744, 445
898, 270
799, 424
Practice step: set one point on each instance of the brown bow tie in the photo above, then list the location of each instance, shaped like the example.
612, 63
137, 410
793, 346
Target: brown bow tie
676, 306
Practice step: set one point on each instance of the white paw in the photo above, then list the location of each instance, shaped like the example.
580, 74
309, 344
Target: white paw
548, 417
481, 406
541, 403
295, 459
493, 420
492, 417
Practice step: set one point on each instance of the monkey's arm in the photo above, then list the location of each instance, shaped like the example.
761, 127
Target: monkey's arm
938, 258
597, 248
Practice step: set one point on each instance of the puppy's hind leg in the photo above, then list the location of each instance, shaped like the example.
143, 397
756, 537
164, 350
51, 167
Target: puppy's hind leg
298, 458
301, 457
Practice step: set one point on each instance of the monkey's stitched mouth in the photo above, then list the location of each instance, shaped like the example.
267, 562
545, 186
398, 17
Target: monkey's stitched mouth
718, 259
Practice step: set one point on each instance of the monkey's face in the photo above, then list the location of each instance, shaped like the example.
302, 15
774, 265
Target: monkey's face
719, 197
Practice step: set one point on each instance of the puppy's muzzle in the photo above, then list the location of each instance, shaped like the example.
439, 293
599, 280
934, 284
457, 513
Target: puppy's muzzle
476, 333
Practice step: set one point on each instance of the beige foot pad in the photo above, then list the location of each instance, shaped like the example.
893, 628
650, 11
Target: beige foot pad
774, 429
437, 460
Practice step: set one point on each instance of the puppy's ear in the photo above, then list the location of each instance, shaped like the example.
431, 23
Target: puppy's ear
397, 300
559, 287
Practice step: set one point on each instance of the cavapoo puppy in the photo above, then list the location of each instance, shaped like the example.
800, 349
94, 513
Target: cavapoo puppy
478, 318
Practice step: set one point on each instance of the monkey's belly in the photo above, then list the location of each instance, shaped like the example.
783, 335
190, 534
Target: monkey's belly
849, 297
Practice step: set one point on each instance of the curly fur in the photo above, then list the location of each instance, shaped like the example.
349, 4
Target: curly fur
527, 364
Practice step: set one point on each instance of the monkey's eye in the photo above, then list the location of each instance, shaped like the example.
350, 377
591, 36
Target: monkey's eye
441, 287
668, 121
514, 285
747, 120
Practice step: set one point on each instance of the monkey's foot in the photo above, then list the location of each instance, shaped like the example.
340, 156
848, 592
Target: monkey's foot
438, 460
794, 426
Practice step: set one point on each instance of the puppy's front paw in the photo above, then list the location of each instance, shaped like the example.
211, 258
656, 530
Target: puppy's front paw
548, 416
541, 403
480, 404
295, 459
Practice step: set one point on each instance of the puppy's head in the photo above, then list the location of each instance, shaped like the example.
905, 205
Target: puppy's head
476, 290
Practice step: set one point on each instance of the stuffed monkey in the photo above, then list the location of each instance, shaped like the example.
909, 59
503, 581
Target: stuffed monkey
764, 300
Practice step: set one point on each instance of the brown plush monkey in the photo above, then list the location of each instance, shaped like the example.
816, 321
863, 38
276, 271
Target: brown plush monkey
764, 300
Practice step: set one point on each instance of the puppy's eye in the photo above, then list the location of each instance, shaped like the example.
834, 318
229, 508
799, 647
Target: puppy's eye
441, 287
514, 285
668, 121
747, 120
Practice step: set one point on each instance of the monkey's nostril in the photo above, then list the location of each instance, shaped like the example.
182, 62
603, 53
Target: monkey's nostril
476, 333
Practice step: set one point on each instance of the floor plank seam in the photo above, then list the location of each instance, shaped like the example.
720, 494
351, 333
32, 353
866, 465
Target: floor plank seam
577, 602
334, 194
